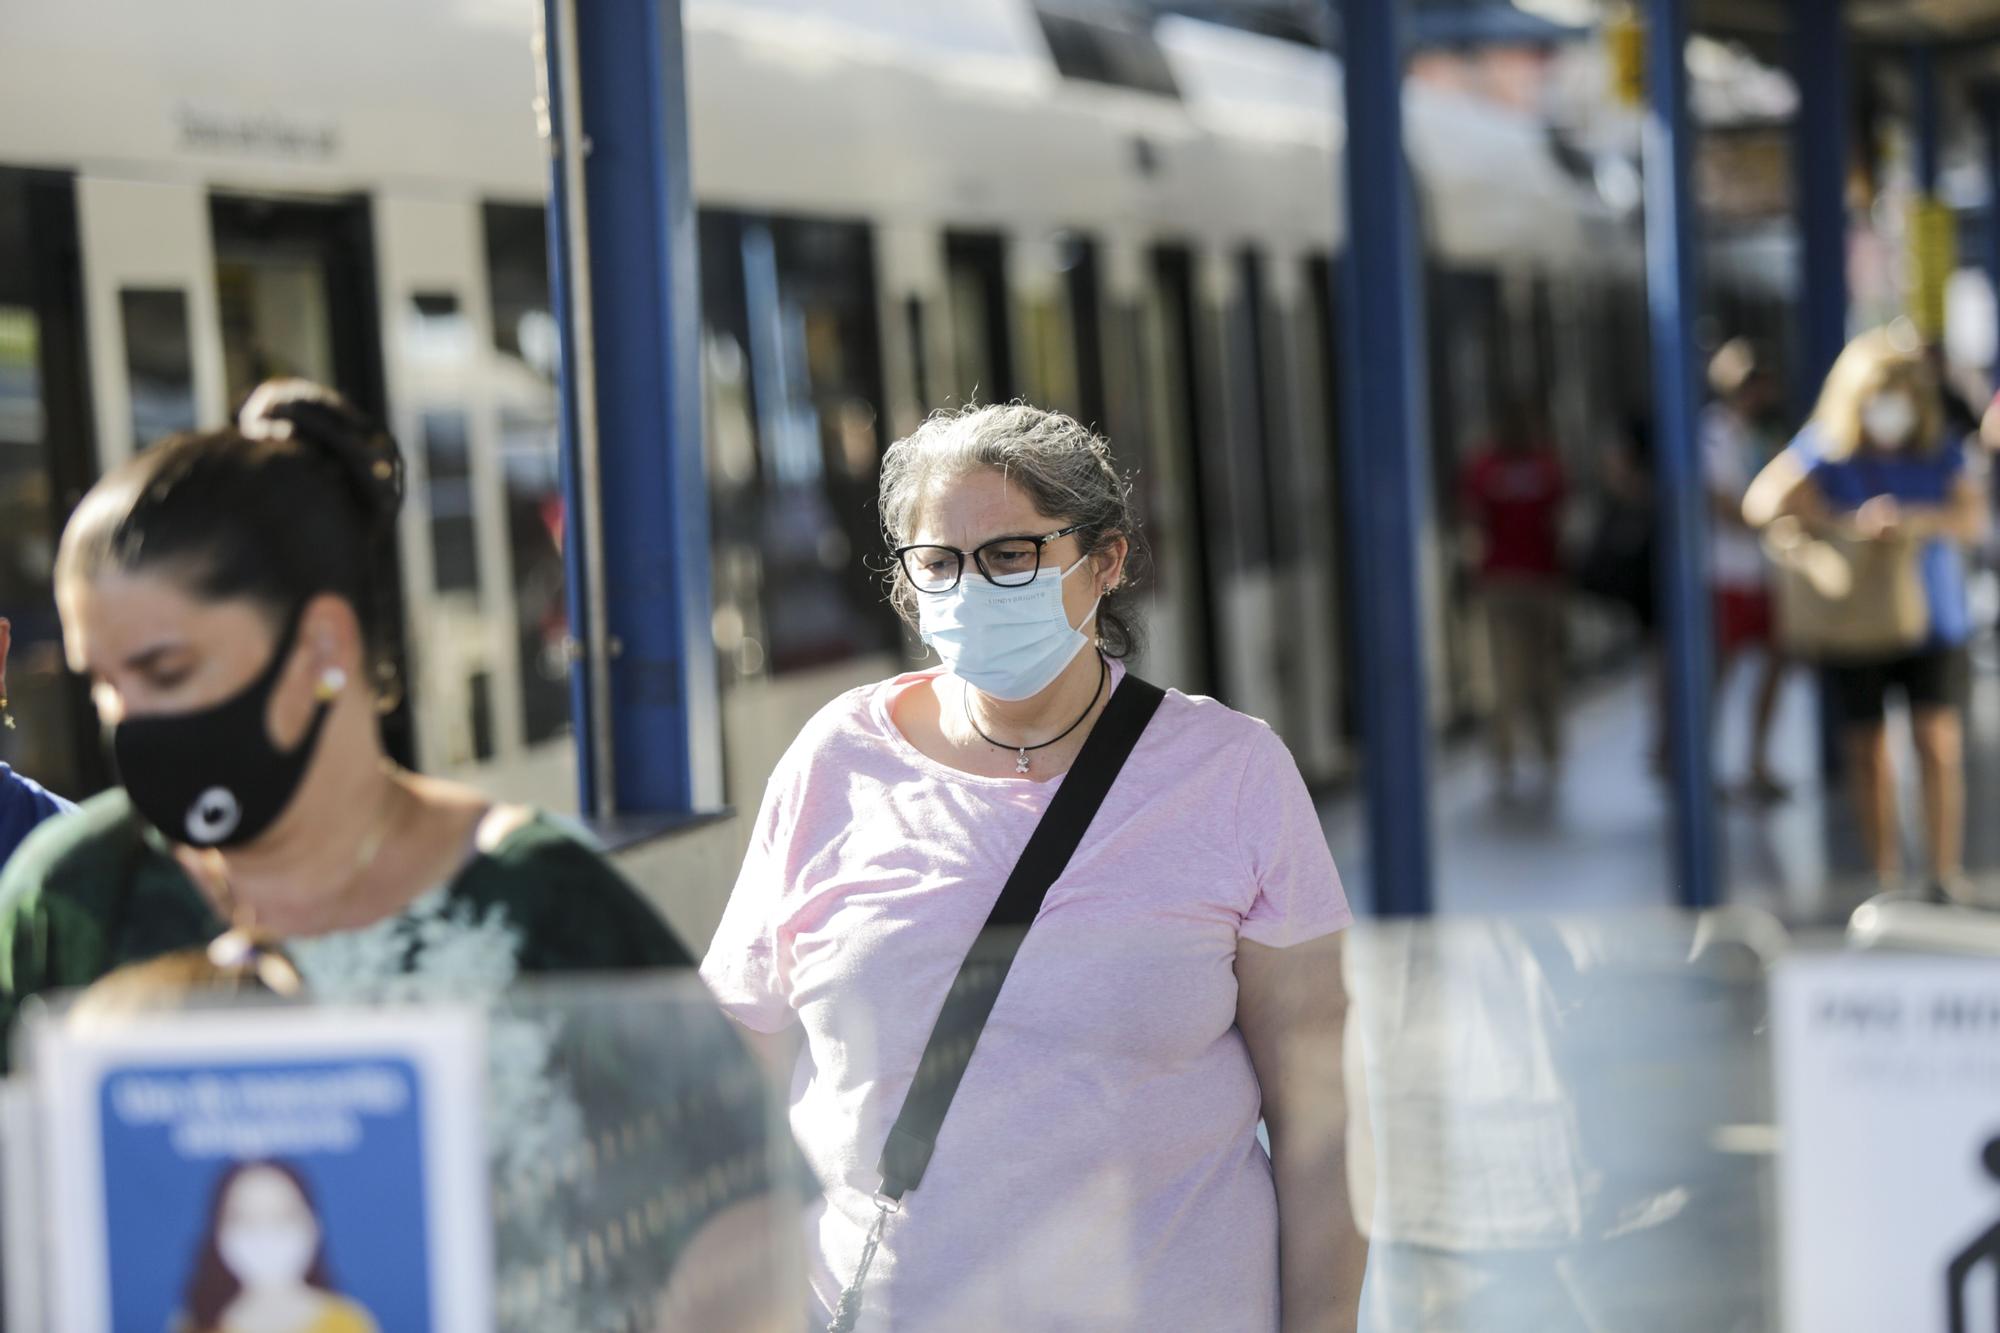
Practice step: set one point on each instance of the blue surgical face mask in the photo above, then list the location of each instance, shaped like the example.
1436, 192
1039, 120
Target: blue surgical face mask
1007, 643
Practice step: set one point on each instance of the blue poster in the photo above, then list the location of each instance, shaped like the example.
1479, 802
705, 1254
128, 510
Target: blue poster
256, 1195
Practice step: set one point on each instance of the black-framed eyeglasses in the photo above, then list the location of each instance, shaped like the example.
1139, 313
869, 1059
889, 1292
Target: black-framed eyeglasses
1006, 562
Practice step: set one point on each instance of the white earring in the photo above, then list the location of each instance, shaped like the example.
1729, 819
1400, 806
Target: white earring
331, 682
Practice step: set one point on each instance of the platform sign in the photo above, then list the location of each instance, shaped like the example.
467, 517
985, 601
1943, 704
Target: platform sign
253, 1168
1888, 1085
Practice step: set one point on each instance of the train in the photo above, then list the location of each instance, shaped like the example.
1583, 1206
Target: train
903, 206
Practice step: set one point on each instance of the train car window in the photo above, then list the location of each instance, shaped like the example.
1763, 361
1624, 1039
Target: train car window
1078, 256
46, 461
1097, 50
1267, 524
1181, 404
913, 329
794, 388
982, 338
448, 482
524, 380
159, 361
1235, 462
1323, 353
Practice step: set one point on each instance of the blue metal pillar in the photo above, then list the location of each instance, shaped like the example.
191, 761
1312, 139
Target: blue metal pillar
1820, 66
624, 279
1929, 116
1987, 100
1384, 453
1673, 294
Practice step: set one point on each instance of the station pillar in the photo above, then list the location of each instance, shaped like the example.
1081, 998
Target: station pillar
1673, 291
1820, 67
623, 275
1385, 456
1987, 102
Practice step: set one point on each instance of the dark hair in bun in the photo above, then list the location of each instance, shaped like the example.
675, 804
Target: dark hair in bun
298, 499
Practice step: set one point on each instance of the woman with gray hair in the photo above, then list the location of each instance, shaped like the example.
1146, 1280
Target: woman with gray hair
1097, 1163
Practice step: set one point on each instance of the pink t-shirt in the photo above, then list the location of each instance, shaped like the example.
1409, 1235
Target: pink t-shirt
1099, 1167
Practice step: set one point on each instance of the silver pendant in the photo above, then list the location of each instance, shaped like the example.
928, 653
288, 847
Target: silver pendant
1021, 762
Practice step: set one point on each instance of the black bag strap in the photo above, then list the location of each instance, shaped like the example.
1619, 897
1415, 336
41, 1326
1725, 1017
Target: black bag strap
984, 971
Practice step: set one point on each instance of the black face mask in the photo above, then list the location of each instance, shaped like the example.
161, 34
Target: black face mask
213, 778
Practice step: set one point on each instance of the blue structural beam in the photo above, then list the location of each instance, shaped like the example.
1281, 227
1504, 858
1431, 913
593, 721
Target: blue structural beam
1384, 456
622, 257
1987, 101
1673, 293
1820, 66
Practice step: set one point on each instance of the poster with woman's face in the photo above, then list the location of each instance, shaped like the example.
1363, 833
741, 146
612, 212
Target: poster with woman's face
268, 1172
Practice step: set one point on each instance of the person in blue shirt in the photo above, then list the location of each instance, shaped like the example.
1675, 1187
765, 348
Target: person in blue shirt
1877, 464
24, 803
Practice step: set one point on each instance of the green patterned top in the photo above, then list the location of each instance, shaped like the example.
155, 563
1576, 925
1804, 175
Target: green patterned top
91, 892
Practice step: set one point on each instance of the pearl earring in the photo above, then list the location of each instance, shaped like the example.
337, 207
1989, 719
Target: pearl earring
331, 682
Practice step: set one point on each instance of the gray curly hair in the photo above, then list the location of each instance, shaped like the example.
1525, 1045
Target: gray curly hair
1065, 469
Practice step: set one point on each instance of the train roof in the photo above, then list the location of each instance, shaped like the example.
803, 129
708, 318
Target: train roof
901, 110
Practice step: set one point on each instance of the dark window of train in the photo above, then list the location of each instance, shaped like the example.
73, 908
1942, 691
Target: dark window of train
1238, 469
913, 329
792, 346
454, 533
47, 459
1080, 275
982, 337
1326, 325
1124, 55
524, 341
159, 361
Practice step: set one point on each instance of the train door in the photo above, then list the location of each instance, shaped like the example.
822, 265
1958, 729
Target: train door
1177, 508
981, 332
792, 344
457, 563
1237, 469
45, 465
1469, 378
1305, 517
1322, 426
295, 294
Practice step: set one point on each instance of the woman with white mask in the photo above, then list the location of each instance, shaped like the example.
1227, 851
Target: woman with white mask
1876, 475
262, 1263
1096, 1164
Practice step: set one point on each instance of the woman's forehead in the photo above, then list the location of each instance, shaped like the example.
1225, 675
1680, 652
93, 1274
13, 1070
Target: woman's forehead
978, 506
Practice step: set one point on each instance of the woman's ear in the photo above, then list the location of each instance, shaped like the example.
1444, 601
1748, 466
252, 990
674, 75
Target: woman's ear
331, 635
1111, 563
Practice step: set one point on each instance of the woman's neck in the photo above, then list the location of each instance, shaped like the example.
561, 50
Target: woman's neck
335, 832
1040, 717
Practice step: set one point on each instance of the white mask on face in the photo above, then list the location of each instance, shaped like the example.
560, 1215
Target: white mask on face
268, 1255
1007, 643
1890, 420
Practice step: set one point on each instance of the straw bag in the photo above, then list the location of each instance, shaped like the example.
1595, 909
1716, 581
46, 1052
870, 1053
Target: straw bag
1846, 598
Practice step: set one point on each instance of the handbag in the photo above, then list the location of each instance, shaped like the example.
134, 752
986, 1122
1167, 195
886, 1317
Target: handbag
980, 977
1847, 598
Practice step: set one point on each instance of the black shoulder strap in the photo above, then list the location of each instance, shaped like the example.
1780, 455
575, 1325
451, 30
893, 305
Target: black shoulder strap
984, 970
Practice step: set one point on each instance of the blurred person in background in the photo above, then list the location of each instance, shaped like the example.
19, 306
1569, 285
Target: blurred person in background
1511, 495
1099, 1166
24, 803
1743, 392
1876, 467
226, 592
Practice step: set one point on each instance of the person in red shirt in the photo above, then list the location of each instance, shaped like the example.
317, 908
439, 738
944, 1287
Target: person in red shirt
1511, 495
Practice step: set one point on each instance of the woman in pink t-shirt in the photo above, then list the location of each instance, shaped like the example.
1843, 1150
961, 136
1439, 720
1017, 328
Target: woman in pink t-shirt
1099, 1167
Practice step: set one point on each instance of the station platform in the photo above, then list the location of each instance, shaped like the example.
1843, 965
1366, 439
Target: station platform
1599, 841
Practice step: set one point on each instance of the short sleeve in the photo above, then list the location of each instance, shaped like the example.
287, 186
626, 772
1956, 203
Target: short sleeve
742, 967
1298, 896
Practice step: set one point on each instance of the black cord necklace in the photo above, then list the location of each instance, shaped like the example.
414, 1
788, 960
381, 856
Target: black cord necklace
1021, 752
